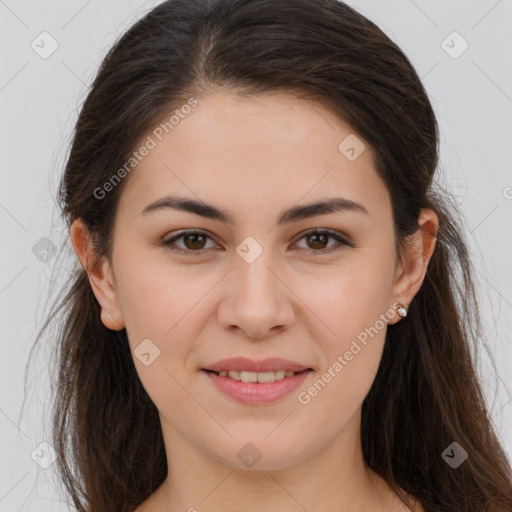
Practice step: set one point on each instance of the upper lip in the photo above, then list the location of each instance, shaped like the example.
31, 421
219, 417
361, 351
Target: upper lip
250, 365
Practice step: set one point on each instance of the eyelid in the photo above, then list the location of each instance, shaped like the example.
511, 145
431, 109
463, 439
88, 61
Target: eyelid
342, 240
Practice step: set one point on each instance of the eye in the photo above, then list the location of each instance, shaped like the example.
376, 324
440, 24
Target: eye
320, 239
194, 241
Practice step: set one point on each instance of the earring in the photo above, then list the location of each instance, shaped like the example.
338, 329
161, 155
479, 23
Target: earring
402, 310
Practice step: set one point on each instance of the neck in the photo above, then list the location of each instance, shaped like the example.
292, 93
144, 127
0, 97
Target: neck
334, 479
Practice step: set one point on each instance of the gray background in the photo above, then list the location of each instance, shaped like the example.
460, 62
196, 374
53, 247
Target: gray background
40, 99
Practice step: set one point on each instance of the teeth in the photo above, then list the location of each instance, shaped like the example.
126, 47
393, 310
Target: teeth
248, 376
260, 377
266, 377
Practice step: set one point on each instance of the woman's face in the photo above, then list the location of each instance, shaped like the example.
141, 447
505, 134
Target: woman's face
257, 284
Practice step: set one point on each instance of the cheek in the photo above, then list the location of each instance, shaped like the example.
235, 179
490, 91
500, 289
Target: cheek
348, 298
156, 297
351, 356
352, 309
353, 346
336, 394
161, 307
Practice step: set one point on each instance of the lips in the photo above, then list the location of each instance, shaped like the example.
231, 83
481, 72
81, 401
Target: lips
256, 382
261, 377
241, 364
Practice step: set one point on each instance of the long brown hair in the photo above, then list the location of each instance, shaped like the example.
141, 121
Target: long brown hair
106, 430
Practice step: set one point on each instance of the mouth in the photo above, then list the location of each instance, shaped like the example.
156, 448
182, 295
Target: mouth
256, 388
257, 377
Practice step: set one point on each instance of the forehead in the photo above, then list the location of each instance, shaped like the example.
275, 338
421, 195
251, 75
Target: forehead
254, 152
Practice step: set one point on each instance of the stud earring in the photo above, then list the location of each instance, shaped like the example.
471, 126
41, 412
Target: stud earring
402, 310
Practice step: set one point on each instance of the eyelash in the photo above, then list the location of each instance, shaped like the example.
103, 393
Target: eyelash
169, 243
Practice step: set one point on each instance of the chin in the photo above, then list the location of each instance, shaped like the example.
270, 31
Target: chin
264, 454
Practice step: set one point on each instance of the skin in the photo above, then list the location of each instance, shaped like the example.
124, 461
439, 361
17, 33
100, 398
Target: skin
254, 158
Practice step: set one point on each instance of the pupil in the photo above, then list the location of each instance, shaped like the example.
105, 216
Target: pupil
195, 236
320, 236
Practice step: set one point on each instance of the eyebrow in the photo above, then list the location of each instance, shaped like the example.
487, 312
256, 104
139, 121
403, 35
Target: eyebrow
296, 213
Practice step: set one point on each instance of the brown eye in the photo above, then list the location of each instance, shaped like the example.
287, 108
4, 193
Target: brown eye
317, 241
193, 241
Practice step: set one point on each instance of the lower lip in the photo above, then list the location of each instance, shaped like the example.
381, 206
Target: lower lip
253, 393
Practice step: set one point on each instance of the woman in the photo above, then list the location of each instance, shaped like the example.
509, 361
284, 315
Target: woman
275, 307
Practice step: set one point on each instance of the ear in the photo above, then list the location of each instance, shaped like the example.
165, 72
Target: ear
101, 277
412, 267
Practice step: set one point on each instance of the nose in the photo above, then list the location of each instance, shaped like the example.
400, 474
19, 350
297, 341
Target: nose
256, 299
